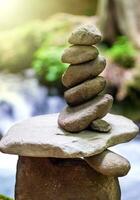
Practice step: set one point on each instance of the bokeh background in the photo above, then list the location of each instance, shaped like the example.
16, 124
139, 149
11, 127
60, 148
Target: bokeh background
33, 35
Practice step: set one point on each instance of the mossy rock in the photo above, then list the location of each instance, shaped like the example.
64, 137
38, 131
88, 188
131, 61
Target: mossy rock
2, 197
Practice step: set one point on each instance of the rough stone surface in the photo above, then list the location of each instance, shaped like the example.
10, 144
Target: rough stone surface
42, 137
100, 126
62, 179
85, 91
76, 74
86, 34
109, 163
79, 54
78, 118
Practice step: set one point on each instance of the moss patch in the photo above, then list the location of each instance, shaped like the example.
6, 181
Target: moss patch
2, 197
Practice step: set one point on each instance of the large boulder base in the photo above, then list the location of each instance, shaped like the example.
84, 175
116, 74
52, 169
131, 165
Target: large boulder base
85, 91
62, 179
78, 118
76, 74
79, 54
42, 137
109, 163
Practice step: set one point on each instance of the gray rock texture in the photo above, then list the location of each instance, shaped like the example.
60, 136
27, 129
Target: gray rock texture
84, 91
42, 137
86, 34
76, 74
79, 54
100, 126
78, 118
109, 164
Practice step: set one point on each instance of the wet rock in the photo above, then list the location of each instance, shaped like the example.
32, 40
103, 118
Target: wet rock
79, 54
86, 34
78, 118
109, 164
42, 137
62, 179
76, 74
100, 126
84, 91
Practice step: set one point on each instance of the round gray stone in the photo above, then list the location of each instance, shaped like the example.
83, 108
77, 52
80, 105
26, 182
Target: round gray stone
109, 163
76, 74
78, 118
79, 54
85, 35
84, 91
100, 125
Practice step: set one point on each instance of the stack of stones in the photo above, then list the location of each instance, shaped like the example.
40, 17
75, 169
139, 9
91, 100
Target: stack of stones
56, 164
86, 103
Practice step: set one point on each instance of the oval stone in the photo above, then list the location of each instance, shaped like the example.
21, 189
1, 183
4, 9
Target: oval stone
109, 163
78, 118
84, 91
78, 73
100, 125
79, 54
86, 34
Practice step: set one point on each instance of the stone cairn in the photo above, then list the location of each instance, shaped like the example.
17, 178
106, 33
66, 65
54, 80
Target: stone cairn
86, 104
54, 163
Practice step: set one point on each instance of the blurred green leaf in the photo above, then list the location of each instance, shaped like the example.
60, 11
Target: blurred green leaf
2, 197
47, 64
122, 52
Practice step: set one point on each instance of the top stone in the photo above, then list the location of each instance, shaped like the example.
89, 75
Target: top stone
85, 35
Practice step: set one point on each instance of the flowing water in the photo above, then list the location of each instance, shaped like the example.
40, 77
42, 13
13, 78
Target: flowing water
21, 98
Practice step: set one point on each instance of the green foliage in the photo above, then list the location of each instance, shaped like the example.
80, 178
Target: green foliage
122, 52
47, 64
125, 108
47, 58
2, 197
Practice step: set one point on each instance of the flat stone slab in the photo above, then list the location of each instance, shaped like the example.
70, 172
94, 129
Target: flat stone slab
42, 137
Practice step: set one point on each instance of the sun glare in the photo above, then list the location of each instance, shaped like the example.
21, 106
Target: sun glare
7, 7
7, 10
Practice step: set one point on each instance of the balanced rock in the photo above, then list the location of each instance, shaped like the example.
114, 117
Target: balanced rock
85, 35
54, 163
84, 86
79, 54
109, 163
85, 91
75, 119
100, 126
76, 74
